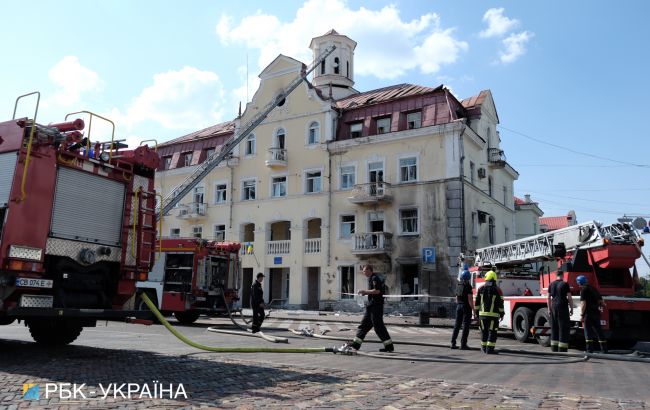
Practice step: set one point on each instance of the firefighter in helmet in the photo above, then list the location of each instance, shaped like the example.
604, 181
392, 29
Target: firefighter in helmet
590, 303
560, 308
464, 310
489, 309
257, 302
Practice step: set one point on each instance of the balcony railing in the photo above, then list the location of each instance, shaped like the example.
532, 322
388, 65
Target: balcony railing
192, 210
371, 243
496, 157
276, 157
278, 247
312, 245
371, 193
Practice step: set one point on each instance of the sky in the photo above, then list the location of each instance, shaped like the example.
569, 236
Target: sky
570, 79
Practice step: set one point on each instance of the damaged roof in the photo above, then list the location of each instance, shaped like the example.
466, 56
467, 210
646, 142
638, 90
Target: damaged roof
223, 128
379, 95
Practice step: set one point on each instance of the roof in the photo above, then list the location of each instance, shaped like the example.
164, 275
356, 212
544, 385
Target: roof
554, 222
392, 92
223, 128
519, 201
476, 100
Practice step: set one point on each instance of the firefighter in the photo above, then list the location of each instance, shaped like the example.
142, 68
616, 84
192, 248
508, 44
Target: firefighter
590, 303
560, 308
257, 302
464, 310
489, 309
374, 316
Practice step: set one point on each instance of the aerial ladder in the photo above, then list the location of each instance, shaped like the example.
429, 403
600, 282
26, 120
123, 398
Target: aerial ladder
176, 194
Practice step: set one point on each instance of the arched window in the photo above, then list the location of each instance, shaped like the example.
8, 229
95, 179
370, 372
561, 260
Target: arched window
280, 137
491, 228
336, 65
313, 136
249, 147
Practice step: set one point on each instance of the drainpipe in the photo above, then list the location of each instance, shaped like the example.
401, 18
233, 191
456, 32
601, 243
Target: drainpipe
231, 193
461, 177
329, 188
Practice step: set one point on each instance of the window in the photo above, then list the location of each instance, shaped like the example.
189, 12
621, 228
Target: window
505, 196
491, 230
175, 233
322, 67
507, 234
347, 282
347, 226
187, 159
347, 177
249, 147
490, 186
312, 182
471, 172
355, 130
336, 65
314, 133
535, 228
383, 125
209, 152
197, 232
220, 193
414, 120
279, 187
409, 220
168, 162
220, 233
248, 190
408, 169
347, 69
474, 225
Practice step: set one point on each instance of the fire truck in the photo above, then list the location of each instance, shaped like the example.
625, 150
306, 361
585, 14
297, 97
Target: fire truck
193, 276
606, 255
77, 225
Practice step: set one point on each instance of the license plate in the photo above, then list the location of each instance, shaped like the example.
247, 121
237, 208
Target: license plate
33, 283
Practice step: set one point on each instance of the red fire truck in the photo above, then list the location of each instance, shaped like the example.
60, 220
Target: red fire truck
77, 226
604, 254
193, 276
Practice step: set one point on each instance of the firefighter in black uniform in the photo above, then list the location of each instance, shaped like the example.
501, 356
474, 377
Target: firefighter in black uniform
489, 309
374, 316
257, 302
560, 308
464, 310
590, 303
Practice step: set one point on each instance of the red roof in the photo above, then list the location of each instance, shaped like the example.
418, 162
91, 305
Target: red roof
475, 100
223, 128
554, 222
379, 95
519, 201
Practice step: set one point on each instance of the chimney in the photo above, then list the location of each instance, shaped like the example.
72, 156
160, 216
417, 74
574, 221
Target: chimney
527, 196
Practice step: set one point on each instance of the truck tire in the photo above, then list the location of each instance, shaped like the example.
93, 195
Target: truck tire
140, 305
522, 321
542, 319
52, 332
4, 320
188, 317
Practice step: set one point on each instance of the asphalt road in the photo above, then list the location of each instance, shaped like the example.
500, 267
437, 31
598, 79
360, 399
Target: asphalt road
127, 353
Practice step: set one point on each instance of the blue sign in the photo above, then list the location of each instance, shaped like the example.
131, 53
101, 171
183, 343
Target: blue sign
277, 260
429, 255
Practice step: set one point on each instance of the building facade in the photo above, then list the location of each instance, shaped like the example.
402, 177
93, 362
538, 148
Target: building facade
406, 178
527, 215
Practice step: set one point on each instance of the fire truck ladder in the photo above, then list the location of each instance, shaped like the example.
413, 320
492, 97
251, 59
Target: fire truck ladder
542, 247
210, 163
144, 230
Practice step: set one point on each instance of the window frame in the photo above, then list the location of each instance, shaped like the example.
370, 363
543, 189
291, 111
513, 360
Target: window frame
171, 232
306, 177
381, 120
408, 114
272, 183
491, 230
316, 141
472, 171
216, 192
167, 162
351, 275
187, 155
352, 132
250, 139
243, 189
352, 223
194, 231
399, 167
354, 170
214, 232
402, 232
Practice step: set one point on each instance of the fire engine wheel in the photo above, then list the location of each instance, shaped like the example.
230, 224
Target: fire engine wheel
187, 318
6, 320
542, 320
522, 321
140, 305
54, 332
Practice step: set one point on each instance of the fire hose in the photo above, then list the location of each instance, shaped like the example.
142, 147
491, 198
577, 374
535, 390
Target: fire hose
219, 349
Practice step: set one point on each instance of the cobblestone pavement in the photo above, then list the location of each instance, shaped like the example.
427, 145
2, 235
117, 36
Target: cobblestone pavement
218, 381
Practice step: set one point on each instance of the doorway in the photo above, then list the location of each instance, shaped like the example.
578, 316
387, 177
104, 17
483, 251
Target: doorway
410, 280
376, 178
313, 285
246, 287
278, 286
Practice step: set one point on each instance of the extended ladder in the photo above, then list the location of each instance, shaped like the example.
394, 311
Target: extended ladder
542, 246
210, 163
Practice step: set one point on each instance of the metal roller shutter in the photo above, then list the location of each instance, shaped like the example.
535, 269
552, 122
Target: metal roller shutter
7, 169
87, 208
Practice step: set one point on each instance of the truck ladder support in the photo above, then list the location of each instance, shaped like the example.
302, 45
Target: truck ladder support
210, 163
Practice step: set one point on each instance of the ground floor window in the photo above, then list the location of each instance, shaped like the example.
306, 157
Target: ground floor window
347, 282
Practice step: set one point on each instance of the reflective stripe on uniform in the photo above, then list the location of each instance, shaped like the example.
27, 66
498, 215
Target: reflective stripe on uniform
484, 343
490, 344
357, 340
387, 342
489, 314
588, 340
554, 342
563, 345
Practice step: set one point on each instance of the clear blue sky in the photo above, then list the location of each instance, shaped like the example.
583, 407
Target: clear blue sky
573, 74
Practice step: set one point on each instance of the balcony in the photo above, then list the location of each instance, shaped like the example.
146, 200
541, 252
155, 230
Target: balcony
496, 157
278, 247
194, 210
371, 243
276, 158
312, 246
371, 193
